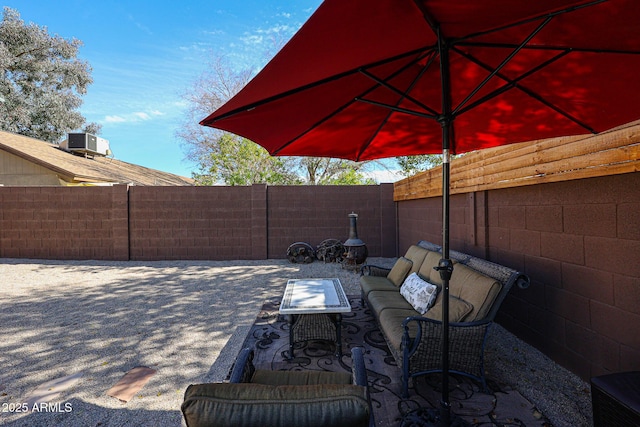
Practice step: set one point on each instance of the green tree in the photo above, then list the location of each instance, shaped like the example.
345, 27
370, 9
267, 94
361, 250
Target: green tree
329, 171
410, 165
41, 81
223, 158
237, 161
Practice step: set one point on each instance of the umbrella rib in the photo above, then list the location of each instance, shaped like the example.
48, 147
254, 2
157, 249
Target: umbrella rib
531, 93
324, 119
358, 98
403, 95
310, 128
511, 83
427, 16
253, 105
434, 114
399, 92
548, 47
504, 62
397, 109
533, 19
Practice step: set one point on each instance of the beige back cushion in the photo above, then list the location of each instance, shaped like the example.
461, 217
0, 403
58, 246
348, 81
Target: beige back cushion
400, 270
475, 288
416, 254
427, 271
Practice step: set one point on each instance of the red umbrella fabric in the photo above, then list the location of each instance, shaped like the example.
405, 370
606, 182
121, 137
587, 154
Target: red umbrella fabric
330, 89
369, 79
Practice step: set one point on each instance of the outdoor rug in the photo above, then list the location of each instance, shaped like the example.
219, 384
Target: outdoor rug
269, 336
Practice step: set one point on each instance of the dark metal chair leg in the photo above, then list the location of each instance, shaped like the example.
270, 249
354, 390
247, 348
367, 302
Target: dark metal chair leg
339, 335
291, 321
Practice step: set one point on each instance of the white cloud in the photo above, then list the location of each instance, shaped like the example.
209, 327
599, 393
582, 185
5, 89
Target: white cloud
114, 119
277, 29
195, 48
141, 116
135, 117
214, 32
279, 33
252, 39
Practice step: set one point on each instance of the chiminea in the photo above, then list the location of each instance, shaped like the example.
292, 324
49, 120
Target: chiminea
355, 250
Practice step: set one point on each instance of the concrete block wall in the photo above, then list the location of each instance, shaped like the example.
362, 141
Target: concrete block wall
64, 223
313, 214
196, 223
579, 241
188, 223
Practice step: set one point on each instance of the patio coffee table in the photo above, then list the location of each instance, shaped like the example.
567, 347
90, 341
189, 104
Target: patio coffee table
314, 310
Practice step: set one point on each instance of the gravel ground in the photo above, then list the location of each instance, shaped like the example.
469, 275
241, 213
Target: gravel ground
187, 320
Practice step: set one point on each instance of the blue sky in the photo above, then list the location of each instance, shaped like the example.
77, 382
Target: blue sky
146, 54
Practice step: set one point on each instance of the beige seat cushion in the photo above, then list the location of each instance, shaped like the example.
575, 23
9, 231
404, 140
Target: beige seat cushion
391, 323
376, 283
378, 301
391, 318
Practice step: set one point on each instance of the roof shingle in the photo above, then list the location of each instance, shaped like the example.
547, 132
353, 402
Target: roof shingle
78, 169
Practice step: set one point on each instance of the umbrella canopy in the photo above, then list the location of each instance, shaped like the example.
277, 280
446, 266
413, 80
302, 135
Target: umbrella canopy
369, 79
362, 79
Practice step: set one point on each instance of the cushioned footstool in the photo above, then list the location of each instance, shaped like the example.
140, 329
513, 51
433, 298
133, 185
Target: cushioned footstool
255, 397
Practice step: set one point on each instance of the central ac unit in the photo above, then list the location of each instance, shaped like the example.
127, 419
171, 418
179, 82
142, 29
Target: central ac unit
86, 143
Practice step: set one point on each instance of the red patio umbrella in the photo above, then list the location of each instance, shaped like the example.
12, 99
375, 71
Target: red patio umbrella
370, 79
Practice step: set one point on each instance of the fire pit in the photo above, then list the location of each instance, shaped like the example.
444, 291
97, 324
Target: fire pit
356, 251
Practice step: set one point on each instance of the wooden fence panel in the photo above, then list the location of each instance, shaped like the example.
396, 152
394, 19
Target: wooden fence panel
529, 163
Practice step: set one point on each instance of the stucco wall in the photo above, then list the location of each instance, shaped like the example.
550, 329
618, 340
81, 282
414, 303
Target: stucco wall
17, 171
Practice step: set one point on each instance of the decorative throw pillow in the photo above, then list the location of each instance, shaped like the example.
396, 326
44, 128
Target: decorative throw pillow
420, 294
400, 270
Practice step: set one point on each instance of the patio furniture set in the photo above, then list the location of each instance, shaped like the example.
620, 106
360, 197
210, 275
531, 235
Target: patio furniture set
314, 309
386, 85
477, 289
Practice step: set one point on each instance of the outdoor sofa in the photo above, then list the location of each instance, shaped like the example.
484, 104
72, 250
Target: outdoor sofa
476, 290
255, 397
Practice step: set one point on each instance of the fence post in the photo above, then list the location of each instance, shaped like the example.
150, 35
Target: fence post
259, 222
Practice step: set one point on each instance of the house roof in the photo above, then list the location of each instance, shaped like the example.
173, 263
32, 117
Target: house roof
78, 169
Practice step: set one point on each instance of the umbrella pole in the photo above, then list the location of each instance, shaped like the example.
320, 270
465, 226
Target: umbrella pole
445, 266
